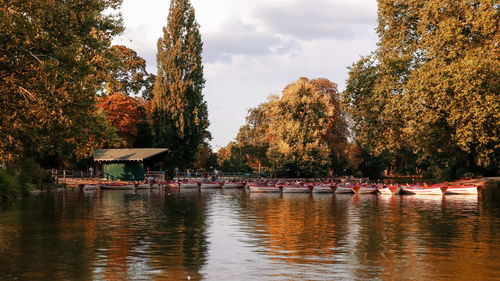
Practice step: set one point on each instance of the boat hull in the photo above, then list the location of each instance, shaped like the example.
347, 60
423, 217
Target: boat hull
256, 188
462, 190
210, 185
344, 189
390, 190
116, 187
233, 185
364, 190
423, 191
322, 189
296, 189
189, 185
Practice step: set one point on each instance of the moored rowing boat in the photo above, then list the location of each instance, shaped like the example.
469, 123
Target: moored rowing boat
344, 188
437, 189
116, 186
364, 189
462, 189
189, 184
296, 188
389, 189
205, 185
323, 188
263, 188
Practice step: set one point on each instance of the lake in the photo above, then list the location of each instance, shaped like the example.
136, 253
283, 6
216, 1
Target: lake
235, 235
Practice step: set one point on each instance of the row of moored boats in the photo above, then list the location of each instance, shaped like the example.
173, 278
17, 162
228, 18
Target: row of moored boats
298, 187
357, 188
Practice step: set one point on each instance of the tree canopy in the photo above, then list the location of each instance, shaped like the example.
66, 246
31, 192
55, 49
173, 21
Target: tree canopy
432, 85
51, 63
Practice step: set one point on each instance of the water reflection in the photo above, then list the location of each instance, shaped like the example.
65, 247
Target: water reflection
235, 235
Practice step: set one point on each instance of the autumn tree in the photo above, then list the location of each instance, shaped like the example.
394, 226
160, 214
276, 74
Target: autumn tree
432, 84
300, 126
123, 113
253, 137
51, 62
180, 116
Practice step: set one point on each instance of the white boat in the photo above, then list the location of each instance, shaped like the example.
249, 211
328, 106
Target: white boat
462, 189
263, 188
389, 189
424, 190
323, 188
296, 188
116, 186
189, 184
210, 185
344, 188
364, 189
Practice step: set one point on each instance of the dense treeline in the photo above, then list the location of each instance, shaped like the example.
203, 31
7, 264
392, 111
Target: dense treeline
65, 90
427, 100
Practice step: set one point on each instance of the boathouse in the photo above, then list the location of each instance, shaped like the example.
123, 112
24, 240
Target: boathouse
128, 164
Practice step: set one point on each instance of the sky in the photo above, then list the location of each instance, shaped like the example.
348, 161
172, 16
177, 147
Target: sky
254, 48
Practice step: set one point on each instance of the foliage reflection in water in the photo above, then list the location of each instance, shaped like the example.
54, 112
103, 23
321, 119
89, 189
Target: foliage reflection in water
234, 235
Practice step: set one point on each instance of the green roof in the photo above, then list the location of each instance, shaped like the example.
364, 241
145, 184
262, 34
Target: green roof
127, 154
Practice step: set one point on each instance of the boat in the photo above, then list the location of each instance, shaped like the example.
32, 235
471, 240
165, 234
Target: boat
296, 188
364, 189
258, 187
389, 189
171, 184
323, 188
462, 189
436, 189
189, 184
344, 188
206, 185
117, 186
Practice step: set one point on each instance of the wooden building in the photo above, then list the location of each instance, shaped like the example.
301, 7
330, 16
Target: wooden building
128, 164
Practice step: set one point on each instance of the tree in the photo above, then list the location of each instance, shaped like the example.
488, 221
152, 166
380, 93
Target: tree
180, 116
430, 89
123, 113
53, 54
300, 124
253, 137
127, 73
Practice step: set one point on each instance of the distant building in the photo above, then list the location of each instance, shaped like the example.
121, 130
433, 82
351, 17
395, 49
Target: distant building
128, 164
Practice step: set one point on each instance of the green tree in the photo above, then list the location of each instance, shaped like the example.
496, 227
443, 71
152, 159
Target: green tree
53, 55
431, 88
180, 116
253, 137
127, 74
300, 124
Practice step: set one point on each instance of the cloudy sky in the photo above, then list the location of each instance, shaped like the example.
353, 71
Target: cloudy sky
254, 48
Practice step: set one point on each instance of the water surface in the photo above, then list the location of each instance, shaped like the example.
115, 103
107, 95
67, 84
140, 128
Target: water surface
234, 235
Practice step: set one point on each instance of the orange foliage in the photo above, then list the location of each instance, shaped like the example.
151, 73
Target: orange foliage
123, 113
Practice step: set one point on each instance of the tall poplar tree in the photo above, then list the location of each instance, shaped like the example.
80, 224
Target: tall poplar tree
180, 116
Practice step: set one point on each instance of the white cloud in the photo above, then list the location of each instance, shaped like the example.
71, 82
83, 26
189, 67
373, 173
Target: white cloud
253, 48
